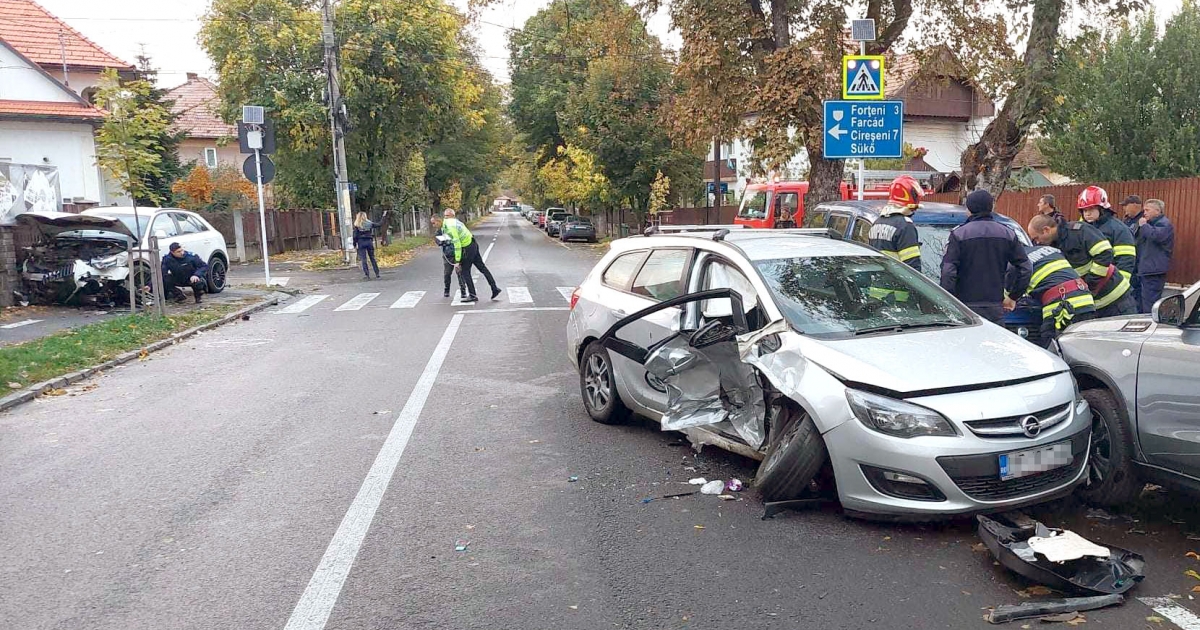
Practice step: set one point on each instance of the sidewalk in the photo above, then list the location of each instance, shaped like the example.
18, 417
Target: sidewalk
26, 323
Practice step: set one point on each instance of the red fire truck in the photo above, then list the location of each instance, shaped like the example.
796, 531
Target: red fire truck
780, 204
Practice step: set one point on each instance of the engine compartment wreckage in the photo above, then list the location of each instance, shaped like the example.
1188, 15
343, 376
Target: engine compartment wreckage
76, 259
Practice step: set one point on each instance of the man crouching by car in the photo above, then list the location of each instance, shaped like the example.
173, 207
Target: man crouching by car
181, 268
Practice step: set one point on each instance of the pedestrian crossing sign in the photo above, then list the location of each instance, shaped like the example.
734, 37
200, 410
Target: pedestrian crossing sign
862, 77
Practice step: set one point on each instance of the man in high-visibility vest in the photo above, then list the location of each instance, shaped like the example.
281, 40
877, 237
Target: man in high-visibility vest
1091, 256
1064, 296
466, 255
894, 232
1095, 209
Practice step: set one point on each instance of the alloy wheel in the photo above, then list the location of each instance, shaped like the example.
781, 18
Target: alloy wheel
597, 385
1099, 464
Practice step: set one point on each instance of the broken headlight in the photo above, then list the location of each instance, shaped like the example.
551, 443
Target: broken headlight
108, 262
896, 417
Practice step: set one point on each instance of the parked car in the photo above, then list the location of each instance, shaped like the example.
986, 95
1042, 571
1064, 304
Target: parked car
853, 220
577, 228
777, 204
1141, 376
76, 259
777, 344
554, 219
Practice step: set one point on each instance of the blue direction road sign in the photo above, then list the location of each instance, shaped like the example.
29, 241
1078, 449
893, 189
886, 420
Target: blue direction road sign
857, 129
713, 187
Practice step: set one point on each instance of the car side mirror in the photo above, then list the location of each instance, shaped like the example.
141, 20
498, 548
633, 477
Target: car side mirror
712, 333
1169, 310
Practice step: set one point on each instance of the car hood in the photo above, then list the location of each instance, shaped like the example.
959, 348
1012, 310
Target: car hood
931, 361
51, 224
1133, 324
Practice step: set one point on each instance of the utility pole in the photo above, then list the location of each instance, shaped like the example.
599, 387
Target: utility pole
341, 179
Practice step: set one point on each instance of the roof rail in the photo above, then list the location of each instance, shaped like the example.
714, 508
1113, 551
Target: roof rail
826, 232
663, 229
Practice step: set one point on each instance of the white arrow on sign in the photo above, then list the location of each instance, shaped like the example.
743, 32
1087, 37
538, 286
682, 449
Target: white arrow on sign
837, 132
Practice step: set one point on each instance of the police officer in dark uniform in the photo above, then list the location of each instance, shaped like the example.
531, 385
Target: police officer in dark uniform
894, 233
1095, 209
1091, 256
181, 268
978, 256
1064, 296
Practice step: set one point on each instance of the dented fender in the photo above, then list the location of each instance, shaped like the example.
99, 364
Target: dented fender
776, 351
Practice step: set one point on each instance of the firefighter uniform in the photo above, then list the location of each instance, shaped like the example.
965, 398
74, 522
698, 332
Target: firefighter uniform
1091, 256
896, 235
1064, 296
1121, 239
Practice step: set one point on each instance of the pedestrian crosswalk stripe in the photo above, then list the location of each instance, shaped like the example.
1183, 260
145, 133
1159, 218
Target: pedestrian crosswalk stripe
303, 305
409, 299
519, 295
21, 323
458, 301
566, 292
357, 302
1170, 609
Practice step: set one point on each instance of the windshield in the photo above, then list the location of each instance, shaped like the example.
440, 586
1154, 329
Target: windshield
838, 296
143, 221
754, 205
933, 246
558, 216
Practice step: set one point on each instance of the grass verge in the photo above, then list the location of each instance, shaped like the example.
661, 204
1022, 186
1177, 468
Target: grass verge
79, 348
399, 252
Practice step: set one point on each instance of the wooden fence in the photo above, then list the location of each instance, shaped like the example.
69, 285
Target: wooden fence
1180, 196
287, 230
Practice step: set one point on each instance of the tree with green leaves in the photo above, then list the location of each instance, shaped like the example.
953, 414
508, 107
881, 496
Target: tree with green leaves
1128, 105
128, 143
170, 168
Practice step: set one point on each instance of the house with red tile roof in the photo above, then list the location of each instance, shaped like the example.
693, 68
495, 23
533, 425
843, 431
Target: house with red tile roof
63, 52
208, 139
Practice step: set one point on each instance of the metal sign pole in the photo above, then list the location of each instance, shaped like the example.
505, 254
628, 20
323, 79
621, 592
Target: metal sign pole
130, 280
156, 276
262, 219
862, 50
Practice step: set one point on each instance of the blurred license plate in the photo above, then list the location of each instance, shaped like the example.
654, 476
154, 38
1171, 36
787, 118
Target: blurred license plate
1035, 460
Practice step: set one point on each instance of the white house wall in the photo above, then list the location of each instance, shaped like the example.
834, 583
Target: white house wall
20, 81
69, 146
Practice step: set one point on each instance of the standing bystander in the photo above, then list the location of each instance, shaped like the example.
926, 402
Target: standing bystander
977, 259
1132, 209
364, 240
1156, 243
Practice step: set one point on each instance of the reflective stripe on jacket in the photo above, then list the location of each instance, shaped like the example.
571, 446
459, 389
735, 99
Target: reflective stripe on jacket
1050, 272
1090, 254
1121, 239
896, 235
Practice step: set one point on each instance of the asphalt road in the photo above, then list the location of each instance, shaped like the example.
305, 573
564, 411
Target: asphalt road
316, 468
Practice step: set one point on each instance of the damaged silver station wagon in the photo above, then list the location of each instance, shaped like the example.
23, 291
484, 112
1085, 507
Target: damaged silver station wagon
810, 353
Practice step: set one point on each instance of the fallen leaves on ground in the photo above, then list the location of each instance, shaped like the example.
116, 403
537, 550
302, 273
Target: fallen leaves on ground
979, 547
1193, 555
1154, 619
54, 392
1192, 574
143, 355
1036, 589
1196, 589
14, 386
1067, 617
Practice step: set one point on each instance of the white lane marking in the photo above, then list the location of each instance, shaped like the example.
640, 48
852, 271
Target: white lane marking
519, 295
1178, 615
566, 292
279, 282
458, 301
303, 305
312, 611
357, 302
518, 310
21, 323
489, 251
408, 300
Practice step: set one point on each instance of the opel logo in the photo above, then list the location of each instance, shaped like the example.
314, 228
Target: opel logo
1031, 426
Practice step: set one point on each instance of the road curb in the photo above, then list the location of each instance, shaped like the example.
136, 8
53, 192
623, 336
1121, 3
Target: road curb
37, 389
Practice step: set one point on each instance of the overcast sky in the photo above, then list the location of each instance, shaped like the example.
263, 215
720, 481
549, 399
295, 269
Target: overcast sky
167, 30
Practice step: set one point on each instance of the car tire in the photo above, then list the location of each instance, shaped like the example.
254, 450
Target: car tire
217, 271
598, 388
795, 455
1111, 477
142, 276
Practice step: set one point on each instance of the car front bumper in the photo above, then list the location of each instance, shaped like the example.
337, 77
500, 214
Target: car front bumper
963, 470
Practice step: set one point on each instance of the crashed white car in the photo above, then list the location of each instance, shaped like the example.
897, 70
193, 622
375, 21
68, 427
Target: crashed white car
811, 353
83, 258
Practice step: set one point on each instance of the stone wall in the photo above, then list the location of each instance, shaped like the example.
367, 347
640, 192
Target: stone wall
8, 266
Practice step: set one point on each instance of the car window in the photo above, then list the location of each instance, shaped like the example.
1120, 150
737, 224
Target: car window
754, 205
861, 231
163, 227
621, 270
838, 296
721, 275
194, 221
933, 248
661, 278
186, 226
816, 219
786, 204
838, 223
141, 227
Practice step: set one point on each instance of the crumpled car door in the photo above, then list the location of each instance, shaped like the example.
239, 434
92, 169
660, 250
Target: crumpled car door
705, 378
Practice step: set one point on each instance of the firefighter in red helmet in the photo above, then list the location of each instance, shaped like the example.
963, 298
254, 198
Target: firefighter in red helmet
894, 233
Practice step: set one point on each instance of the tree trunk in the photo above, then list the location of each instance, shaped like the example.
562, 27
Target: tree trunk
987, 164
824, 178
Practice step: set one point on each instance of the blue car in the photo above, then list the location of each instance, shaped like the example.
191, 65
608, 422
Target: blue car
853, 220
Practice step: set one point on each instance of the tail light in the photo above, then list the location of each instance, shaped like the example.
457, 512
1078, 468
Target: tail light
574, 298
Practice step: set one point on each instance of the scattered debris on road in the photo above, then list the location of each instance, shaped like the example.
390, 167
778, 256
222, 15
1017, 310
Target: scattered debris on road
572, 479
715, 486
461, 545
698, 481
1045, 609
734, 485
1031, 551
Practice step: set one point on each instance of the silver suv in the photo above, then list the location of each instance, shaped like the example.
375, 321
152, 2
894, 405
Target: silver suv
1141, 374
811, 353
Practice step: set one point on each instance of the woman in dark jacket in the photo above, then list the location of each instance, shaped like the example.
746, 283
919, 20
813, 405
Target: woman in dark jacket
364, 240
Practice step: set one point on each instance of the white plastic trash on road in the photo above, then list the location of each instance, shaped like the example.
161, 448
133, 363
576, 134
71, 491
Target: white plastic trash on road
715, 486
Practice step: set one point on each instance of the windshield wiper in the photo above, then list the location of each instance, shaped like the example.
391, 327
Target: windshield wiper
897, 327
